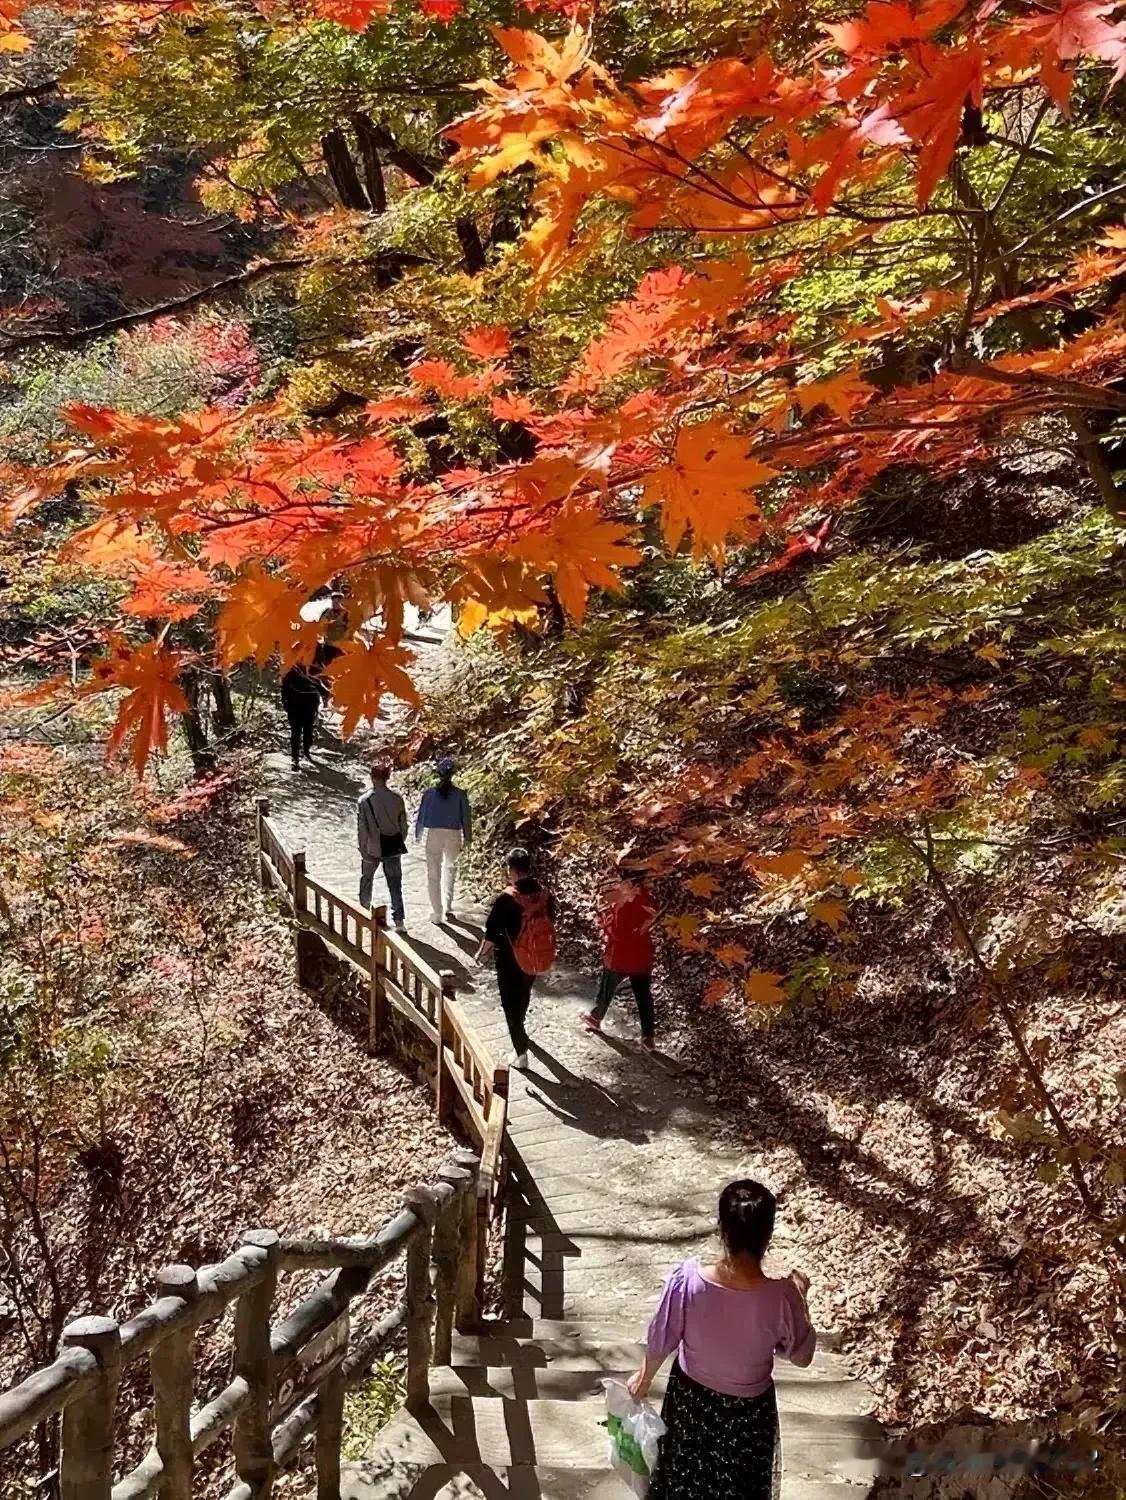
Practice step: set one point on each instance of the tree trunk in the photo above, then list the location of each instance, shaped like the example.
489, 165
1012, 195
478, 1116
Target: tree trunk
1100, 471
342, 169
367, 138
203, 758
419, 172
223, 706
472, 250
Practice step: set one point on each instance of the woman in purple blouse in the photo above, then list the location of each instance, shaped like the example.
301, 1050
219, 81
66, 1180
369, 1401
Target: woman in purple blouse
726, 1324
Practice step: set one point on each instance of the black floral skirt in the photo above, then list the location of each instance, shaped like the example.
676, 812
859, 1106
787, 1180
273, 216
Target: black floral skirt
717, 1447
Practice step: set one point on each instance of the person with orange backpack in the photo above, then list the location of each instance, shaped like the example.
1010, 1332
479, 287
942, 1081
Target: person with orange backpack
520, 934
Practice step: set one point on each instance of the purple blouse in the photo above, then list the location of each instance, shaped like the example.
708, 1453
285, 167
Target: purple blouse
726, 1338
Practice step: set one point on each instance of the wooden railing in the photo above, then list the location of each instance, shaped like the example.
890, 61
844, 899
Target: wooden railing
467, 1082
288, 1378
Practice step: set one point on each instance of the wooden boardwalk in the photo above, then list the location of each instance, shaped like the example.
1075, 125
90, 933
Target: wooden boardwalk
619, 1166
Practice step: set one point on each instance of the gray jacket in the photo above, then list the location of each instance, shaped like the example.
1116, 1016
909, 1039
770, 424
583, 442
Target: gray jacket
379, 811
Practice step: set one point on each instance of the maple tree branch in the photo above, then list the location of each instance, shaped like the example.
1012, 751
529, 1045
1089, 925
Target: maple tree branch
926, 856
1098, 468
1025, 150
69, 337
1097, 397
29, 91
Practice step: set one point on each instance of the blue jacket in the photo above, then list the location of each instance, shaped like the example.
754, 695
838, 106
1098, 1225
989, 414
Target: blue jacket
436, 811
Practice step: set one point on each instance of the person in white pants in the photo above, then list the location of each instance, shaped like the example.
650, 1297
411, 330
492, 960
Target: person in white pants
444, 819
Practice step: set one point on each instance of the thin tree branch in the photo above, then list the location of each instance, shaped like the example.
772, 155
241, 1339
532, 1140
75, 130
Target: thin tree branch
1008, 1015
69, 337
29, 91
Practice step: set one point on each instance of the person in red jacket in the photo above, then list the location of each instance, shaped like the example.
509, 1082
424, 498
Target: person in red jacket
627, 930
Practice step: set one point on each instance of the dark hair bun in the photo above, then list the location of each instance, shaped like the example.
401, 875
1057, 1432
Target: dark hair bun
746, 1217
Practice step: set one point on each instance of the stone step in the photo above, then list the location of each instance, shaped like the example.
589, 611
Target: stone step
606, 1352
472, 1481
575, 1378
553, 1435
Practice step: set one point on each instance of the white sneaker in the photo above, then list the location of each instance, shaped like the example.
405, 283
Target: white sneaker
520, 1060
435, 921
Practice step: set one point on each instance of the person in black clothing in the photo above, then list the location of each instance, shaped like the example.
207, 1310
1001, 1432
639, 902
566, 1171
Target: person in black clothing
502, 928
303, 690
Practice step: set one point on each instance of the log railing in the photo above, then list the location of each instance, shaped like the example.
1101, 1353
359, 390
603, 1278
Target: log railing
288, 1377
468, 1085
467, 1082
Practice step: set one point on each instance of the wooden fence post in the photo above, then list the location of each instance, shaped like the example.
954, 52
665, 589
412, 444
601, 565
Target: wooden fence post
298, 892
444, 1087
379, 1012
447, 1237
330, 1433
173, 1385
86, 1471
467, 1307
253, 1362
491, 1150
263, 806
420, 1301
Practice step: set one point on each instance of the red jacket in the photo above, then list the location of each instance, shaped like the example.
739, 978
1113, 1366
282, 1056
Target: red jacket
627, 928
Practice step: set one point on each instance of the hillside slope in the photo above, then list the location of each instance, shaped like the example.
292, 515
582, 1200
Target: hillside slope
789, 756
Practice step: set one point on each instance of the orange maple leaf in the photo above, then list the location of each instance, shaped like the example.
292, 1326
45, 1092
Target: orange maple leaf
931, 112
151, 674
730, 955
764, 988
787, 865
356, 15
441, 376
832, 913
262, 613
512, 408
702, 885
705, 489
715, 991
396, 409
889, 23
684, 927
160, 587
362, 673
583, 551
487, 343
840, 393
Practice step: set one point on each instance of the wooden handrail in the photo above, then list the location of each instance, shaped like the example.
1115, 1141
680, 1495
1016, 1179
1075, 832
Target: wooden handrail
269, 1414
259, 1402
399, 980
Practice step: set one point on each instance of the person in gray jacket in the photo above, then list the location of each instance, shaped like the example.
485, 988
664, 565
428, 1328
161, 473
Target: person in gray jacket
381, 831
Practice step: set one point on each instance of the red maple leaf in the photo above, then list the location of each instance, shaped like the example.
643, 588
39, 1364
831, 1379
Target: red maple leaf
441, 10
486, 343
515, 408
931, 112
803, 545
357, 15
151, 673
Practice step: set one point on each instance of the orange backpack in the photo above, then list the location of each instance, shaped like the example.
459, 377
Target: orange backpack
533, 947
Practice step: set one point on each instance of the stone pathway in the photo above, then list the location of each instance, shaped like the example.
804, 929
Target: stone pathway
622, 1167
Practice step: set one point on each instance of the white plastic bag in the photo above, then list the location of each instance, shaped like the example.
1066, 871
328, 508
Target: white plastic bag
634, 1429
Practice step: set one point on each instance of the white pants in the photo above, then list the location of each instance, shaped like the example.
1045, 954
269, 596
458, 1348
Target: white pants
443, 845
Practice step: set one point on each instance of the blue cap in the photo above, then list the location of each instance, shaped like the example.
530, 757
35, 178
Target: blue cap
445, 766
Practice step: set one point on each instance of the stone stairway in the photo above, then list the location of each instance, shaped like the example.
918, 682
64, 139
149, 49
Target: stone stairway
517, 1414
618, 1162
